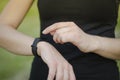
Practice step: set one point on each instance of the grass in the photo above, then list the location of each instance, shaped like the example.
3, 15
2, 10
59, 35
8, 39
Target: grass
13, 67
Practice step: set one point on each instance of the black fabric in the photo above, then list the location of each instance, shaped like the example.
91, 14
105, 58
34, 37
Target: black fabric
96, 17
85, 68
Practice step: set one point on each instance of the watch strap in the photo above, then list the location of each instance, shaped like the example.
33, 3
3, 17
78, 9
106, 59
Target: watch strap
34, 46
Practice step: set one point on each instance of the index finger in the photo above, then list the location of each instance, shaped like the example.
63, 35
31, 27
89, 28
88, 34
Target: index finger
54, 27
51, 74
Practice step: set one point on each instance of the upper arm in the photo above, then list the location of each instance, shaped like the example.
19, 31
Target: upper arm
14, 12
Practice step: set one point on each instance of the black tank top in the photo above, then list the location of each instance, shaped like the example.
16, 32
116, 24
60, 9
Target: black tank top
96, 17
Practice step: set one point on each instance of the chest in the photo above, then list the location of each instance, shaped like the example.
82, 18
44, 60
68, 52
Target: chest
81, 8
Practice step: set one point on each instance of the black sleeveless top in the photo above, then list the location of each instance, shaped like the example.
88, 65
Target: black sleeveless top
97, 17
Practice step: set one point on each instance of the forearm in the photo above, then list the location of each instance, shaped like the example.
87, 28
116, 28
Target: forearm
108, 47
15, 41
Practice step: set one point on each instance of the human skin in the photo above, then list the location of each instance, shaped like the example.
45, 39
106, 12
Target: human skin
20, 44
63, 32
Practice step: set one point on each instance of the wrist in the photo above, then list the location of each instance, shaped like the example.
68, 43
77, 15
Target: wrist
88, 43
35, 46
95, 43
40, 46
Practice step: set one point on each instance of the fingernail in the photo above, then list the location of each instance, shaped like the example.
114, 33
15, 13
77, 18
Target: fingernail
43, 31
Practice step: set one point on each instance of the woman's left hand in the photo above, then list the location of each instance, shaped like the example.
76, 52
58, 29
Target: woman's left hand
69, 32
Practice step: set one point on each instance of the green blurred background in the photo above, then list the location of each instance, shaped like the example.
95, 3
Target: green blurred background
14, 67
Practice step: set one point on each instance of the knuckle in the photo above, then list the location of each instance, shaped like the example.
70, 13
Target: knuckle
70, 66
51, 76
53, 64
57, 32
62, 39
60, 77
54, 38
59, 23
71, 22
55, 24
59, 64
66, 66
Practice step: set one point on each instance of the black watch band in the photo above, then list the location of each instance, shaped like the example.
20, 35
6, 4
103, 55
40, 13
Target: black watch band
34, 46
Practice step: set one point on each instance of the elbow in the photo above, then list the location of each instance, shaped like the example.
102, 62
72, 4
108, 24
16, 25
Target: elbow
116, 56
5, 23
4, 31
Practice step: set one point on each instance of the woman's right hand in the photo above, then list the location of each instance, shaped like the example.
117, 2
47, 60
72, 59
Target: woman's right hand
59, 68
